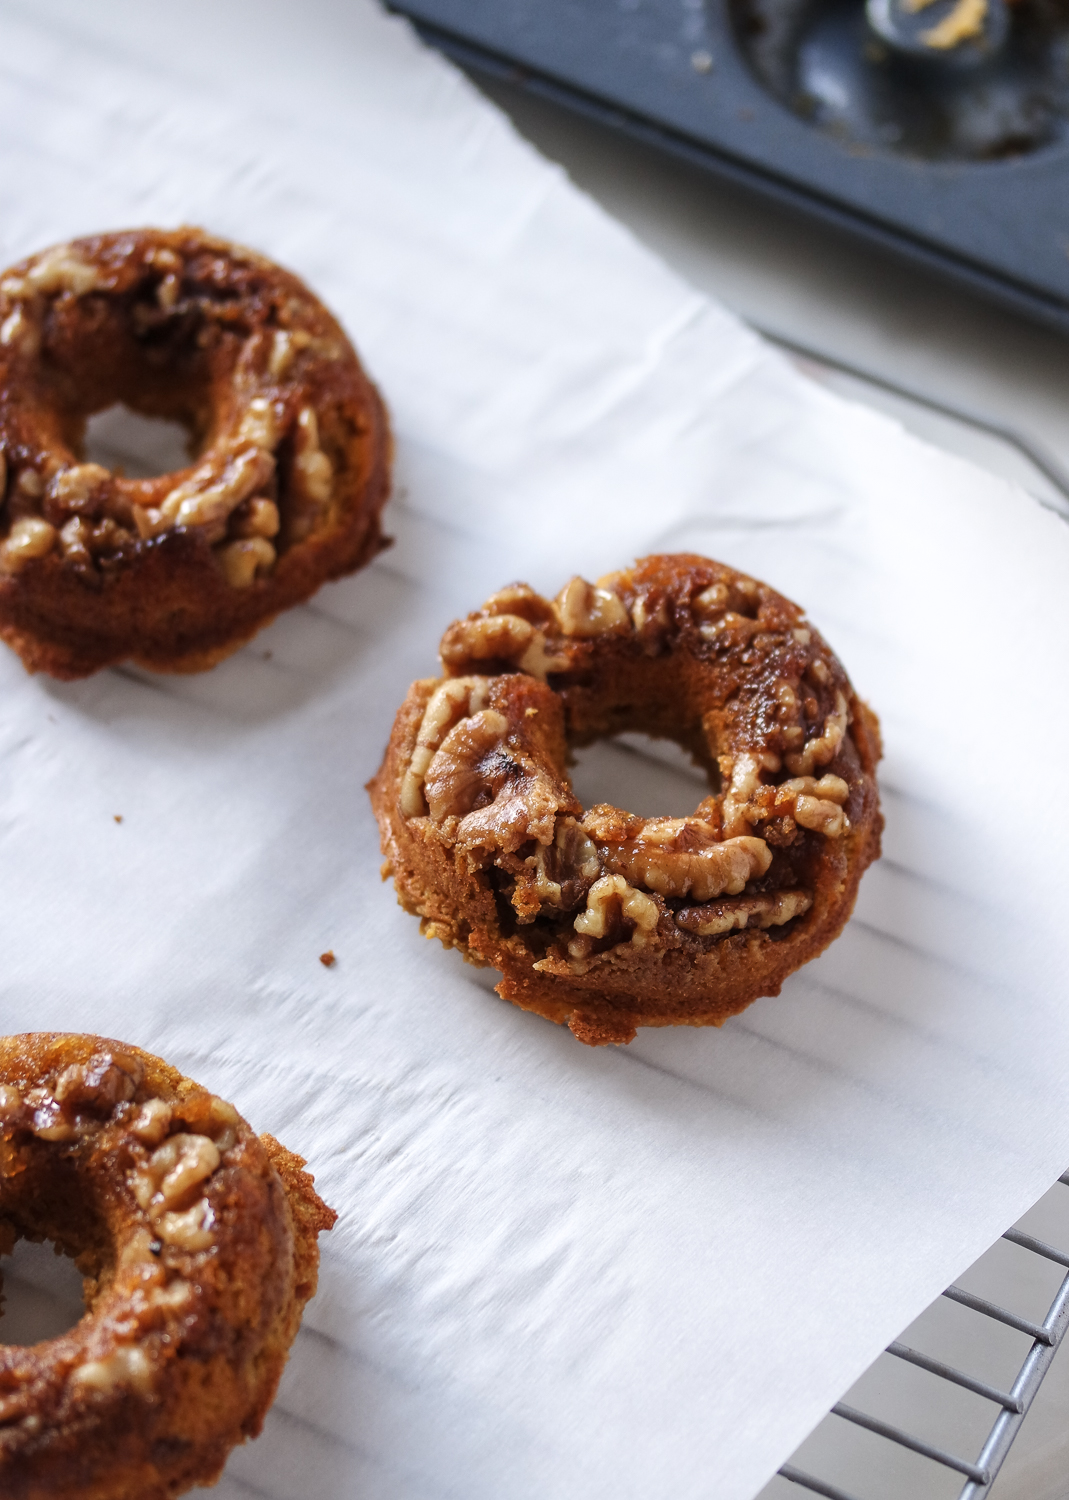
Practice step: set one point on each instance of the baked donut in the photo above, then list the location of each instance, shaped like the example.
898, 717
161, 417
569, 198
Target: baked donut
291, 441
597, 918
197, 1241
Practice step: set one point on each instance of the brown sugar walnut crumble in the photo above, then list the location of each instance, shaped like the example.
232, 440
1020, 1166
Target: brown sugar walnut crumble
597, 917
292, 444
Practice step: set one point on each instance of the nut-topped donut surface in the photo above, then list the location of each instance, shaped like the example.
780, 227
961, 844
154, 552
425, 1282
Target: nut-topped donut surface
291, 438
197, 1241
597, 918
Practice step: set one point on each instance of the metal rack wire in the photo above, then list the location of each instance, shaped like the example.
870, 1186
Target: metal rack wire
1013, 1404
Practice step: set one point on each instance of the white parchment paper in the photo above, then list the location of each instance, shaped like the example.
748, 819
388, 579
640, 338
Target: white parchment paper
558, 1272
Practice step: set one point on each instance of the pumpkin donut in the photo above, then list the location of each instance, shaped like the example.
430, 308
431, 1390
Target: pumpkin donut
197, 1241
597, 918
291, 438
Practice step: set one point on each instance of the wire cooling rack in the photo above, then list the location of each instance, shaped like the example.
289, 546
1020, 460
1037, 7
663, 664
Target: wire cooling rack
1012, 1404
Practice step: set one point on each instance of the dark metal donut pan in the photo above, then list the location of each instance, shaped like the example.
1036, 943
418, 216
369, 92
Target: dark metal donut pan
684, 75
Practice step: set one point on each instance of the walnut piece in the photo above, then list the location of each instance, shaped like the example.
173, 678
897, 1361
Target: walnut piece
453, 700
571, 856
100, 1084
314, 469
207, 498
72, 487
502, 636
30, 537
153, 1122
718, 917
455, 777
583, 609
58, 270
19, 331
684, 857
608, 896
243, 560
825, 746
259, 425
257, 517
128, 1366
183, 1162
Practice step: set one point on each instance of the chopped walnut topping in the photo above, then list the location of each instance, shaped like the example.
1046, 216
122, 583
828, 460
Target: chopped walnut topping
744, 911
825, 746
30, 483
72, 487
190, 1230
650, 625
103, 1082
493, 636
609, 894
683, 857
10, 1099
821, 816
537, 662
20, 331
257, 517
222, 1115
713, 630
59, 270
570, 860
207, 498
520, 599
259, 425
49, 1121
242, 560
284, 346
173, 1170
743, 773
152, 1123
521, 640
453, 700
168, 291
173, 1297
585, 610
314, 470
30, 537
455, 777
128, 1366
714, 598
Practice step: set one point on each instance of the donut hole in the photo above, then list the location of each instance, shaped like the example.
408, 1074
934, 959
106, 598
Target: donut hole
94, 359
44, 1293
649, 777
136, 446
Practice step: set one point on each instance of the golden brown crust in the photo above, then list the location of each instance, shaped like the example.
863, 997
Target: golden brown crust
198, 1244
293, 446
597, 919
